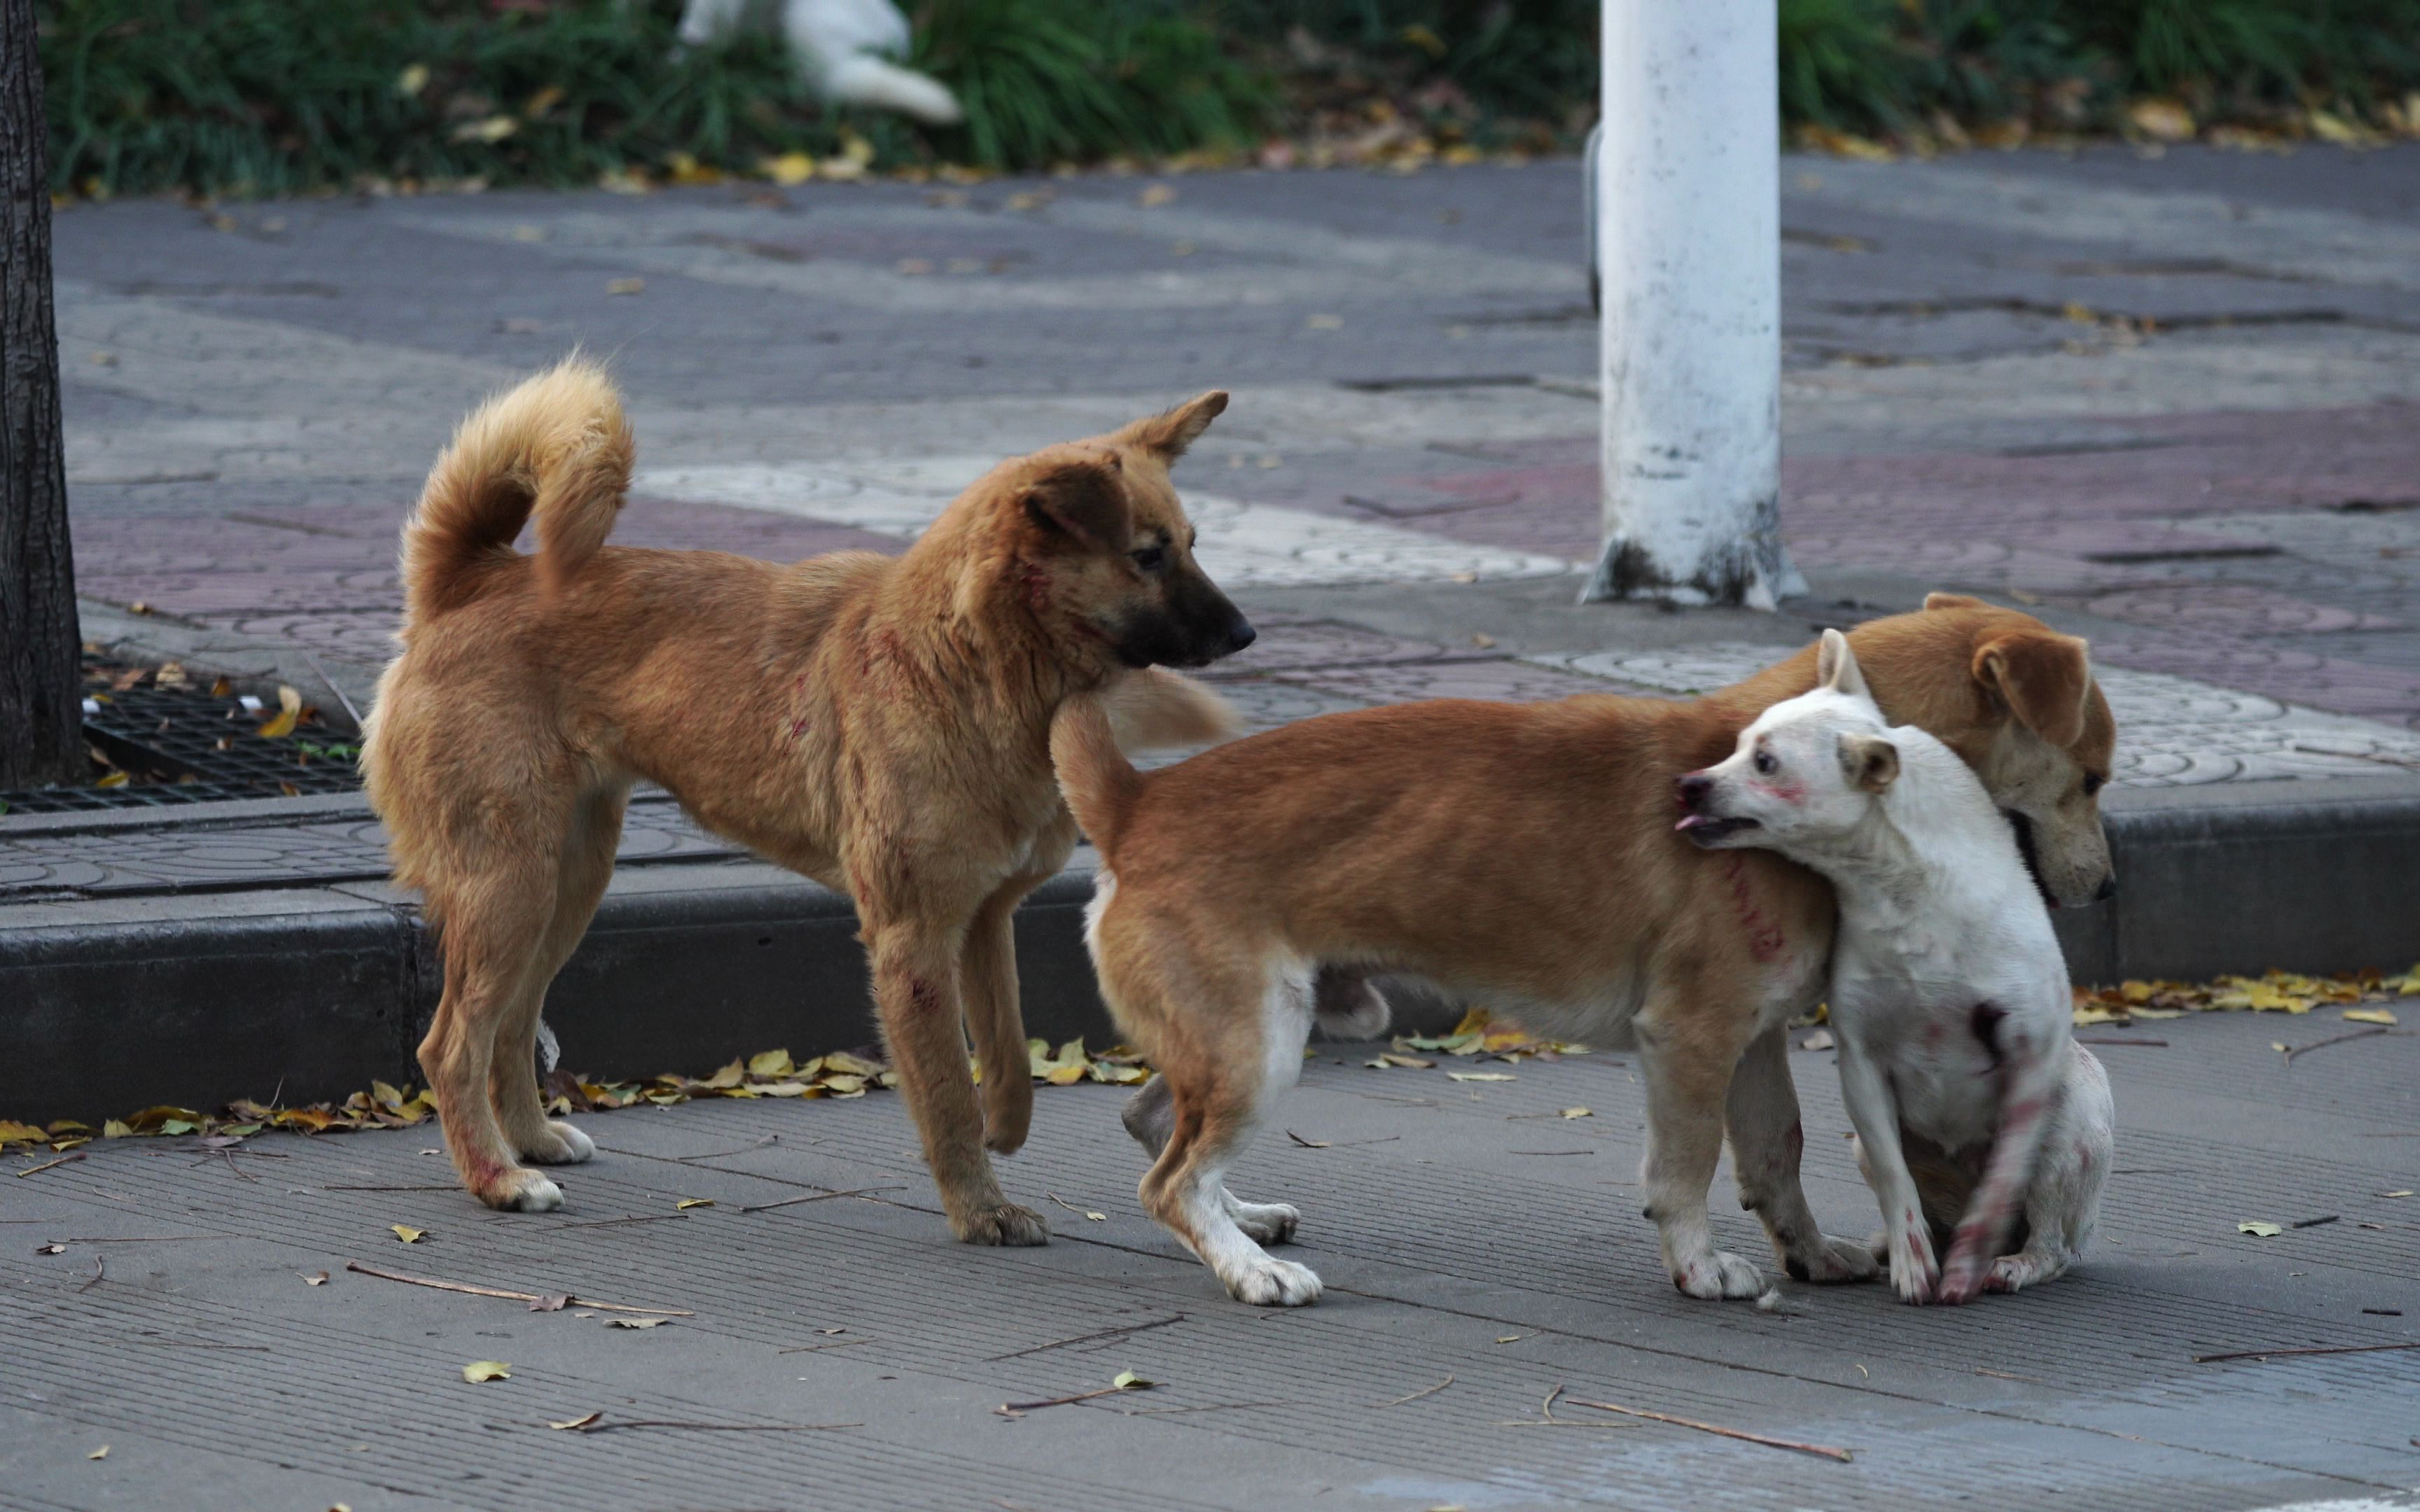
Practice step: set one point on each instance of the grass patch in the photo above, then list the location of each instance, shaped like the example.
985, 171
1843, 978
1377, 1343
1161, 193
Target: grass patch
287, 96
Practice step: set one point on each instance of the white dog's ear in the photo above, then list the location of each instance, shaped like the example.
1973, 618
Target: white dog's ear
1870, 762
1836, 667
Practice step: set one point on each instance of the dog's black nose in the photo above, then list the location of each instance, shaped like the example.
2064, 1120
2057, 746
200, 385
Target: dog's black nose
1692, 789
1240, 635
2108, 889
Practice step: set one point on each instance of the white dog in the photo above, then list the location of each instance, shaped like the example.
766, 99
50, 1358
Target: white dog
843, 45
1948, 993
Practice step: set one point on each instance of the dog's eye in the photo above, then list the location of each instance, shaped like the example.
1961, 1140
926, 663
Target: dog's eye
2092, 782
1765, 764
1149, 558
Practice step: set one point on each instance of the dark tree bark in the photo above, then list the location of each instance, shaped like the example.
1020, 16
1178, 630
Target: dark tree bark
41, 718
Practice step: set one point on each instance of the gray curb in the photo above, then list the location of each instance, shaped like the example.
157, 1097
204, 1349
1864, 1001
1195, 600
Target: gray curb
193, 998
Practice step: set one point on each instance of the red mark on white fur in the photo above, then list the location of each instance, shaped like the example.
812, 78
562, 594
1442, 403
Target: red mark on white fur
1765, 940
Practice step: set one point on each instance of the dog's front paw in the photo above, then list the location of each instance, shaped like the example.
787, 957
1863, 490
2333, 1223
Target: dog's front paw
1962, 1273
520, 1190
1004, 1224
1829, 1261
1912, 1271
561, 1145
1717, 1276
1265, 1223
1268, 1282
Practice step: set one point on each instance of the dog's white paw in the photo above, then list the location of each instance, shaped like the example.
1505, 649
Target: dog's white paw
1265, 1223
1830, 1261
523, 1191
562, 1146
1717, 1276
1913, 1272
1268, 1282
2014, 1273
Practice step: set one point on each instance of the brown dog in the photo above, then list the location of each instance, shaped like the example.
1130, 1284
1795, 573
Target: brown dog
879, 724
1523, 856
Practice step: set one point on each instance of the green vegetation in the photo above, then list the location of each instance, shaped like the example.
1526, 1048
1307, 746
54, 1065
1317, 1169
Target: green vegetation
283, 96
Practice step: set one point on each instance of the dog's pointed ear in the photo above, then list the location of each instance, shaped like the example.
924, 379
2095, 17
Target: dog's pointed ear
1836, 667
2042, 677
1172, 431
1871, 761
1084, 502
1934, 601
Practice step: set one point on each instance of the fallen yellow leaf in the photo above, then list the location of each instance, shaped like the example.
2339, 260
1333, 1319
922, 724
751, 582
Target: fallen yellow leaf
773, 1063
479, 1370
1481, 1076
102, 1453
576, 1422
687, 1203
1129, 1380
289, 708
2370, 1015
1578, 1113
408, 1234
2404, 1193
626, 286
790, 170
2258, 1229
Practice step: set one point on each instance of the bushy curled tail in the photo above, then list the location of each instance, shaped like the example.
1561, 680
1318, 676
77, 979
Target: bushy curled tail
1092, 733
558, 447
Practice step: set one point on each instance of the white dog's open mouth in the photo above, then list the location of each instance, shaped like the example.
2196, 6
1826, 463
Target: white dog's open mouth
1704, 829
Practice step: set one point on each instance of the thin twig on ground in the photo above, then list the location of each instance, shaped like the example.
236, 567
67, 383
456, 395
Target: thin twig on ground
1418, 1394
63, 1160
1020, 1409
601, 1425
1820, 1450
98, 1271
333, 688
1086, 1338
508, 1296
821, 1197
811, 1349
633, 1218
2333, 1039
1206, 1406
2329, 1348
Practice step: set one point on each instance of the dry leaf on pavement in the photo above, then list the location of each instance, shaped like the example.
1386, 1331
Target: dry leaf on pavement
2259, 1228
407, 1233
479, 1370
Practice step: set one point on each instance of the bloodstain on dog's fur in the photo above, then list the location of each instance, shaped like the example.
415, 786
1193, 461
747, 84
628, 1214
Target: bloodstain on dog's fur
1767, 940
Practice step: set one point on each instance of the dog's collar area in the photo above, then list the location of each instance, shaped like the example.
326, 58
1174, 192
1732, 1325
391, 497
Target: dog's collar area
2025, 829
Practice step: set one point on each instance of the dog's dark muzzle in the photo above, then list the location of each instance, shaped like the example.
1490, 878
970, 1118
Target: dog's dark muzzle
1694, 790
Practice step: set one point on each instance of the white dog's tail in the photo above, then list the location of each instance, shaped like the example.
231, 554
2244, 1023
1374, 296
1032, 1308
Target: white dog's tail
862, 79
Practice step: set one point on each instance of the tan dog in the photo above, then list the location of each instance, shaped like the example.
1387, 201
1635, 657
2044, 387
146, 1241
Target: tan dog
1523, 856
879, 724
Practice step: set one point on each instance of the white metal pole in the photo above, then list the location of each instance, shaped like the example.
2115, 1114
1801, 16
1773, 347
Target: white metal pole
1688, 239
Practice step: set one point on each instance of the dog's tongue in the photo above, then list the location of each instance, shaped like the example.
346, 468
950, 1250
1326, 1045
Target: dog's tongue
1690, 822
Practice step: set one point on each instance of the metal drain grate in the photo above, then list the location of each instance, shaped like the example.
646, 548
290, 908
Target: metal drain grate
180, 745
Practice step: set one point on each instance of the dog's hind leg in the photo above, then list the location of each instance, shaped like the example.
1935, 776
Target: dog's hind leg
1761, 1115
582, 875
1150, 1115
2063, 1204
988, 975
1215, 1103
494, 927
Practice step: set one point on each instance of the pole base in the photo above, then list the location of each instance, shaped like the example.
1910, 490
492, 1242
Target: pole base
1753, 573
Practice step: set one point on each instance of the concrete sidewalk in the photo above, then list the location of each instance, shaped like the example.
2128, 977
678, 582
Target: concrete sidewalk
1480, 1253
2167, 404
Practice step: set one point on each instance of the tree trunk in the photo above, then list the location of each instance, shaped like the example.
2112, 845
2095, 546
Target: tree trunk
41, 737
